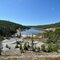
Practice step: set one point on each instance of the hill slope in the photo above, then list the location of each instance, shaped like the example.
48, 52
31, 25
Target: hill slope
46, 26
8, 28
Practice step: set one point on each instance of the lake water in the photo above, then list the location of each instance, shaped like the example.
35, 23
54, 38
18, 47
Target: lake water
32, 31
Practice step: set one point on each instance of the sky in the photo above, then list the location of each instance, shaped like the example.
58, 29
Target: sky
30, 12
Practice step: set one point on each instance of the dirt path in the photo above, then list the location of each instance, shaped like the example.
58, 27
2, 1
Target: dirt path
32, 57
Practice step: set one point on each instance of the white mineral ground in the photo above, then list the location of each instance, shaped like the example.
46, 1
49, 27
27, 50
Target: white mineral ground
12, 43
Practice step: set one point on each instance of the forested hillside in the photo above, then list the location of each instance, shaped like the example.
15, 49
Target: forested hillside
46, 26
8, 28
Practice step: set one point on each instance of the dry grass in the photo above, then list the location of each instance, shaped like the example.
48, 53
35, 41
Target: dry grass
30, 58
35, 39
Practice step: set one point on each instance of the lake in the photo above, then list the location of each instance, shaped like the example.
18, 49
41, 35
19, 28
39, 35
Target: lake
32, 31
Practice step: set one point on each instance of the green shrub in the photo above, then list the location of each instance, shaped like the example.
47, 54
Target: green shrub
38, 49
53, 48
16, 46
50, 48
21, 48
8, 46
43, 47
32, 45
25, 46
17, 42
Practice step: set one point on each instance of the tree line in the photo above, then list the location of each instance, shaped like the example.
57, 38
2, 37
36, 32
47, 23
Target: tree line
46, 26
8, 28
